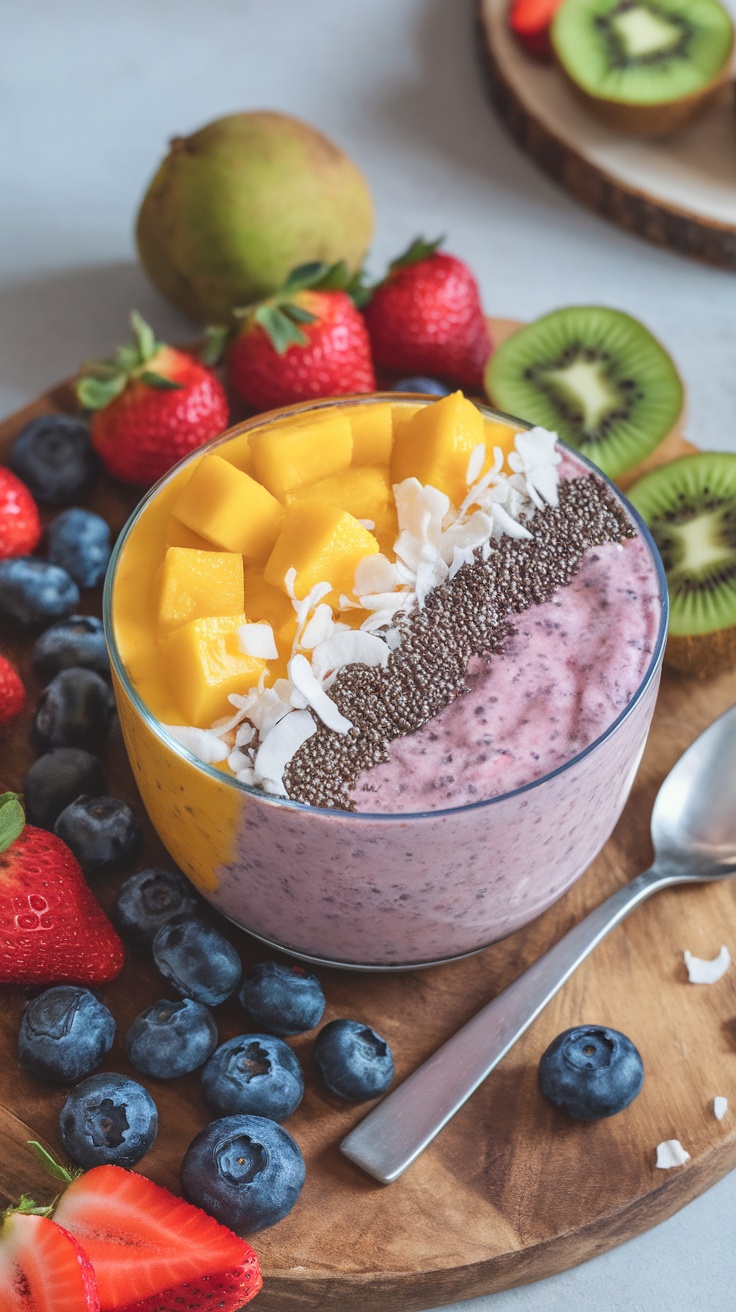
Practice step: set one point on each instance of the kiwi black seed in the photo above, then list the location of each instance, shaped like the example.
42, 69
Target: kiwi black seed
596, 377
644, 65
690, 508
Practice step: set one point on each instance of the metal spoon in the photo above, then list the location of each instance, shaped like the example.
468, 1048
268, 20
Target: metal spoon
694, 836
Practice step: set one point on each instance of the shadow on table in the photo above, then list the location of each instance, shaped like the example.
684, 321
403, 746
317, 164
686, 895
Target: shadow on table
50, 324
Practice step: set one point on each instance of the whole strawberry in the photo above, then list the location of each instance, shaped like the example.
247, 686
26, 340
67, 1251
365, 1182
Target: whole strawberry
307, 341
20, 526
52, 928
150, 406
12, 692
426, 318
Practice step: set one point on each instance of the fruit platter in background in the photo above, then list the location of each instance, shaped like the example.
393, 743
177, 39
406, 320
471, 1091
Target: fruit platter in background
630, 107
301, 324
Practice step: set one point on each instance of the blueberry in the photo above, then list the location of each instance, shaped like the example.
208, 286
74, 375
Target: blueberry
171, 1038
64, 1034
32, 592
79, 541
77, 709
58, 778
102, 832
197, 960
591, 1071
150, 898
429, 386
79, 641
255, 1074
245, 1171
284, 999
353, 1060
54, 457
108, 1119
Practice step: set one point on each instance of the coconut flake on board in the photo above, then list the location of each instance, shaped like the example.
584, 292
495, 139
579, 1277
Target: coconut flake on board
671, 1153
720, 1107
701, 971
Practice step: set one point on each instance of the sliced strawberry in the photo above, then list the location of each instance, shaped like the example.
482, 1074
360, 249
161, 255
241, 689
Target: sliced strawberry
43, 1268
145, 1242
530, 21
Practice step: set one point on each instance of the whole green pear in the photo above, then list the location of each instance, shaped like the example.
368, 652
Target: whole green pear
243, 201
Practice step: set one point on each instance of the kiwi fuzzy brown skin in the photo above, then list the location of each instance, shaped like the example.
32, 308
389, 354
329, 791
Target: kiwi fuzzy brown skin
651, 120
704, 655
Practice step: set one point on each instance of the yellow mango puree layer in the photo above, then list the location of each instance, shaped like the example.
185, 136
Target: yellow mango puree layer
311, 493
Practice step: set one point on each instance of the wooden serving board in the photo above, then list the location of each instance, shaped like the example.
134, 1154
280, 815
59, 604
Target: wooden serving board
677, 191
511, 1191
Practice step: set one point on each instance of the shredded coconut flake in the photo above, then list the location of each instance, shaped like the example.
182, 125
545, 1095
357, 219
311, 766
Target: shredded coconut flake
277, 749
257, 640
700, 971
303, 679
671, 1153
352, 648
202, 743
720, 1107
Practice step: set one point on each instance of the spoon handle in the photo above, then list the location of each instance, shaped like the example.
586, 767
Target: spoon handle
400, 1128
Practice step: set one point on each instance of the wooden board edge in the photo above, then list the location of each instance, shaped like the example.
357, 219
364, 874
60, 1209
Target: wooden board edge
633, 210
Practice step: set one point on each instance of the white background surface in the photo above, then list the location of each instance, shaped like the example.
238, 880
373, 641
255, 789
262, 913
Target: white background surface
89, 94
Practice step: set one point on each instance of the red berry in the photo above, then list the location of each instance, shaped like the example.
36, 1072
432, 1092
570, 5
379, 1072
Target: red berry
20, 526
530, 22
426, 318
12, 692
334, 360
42, 1266
151, 406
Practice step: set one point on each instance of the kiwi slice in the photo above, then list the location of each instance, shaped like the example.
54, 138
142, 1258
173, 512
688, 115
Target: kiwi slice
595, 376
690, 507
644, 65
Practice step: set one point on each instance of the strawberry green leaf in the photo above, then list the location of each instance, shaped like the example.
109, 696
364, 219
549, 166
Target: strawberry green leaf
50, 1163
279, 328
418, 250
96, 393
144, 338
297, 313
127, 358
12, 819
305, 275
103, 369
213, 346
359, 289
159, 381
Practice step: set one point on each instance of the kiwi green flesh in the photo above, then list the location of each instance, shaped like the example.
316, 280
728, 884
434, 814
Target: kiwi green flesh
595, 376
690, 508
642, 52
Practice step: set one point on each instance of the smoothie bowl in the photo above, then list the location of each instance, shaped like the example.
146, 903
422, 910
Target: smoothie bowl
385, 670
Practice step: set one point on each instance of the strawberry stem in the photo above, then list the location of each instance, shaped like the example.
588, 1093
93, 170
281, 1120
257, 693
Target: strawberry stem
419, 249
12, 819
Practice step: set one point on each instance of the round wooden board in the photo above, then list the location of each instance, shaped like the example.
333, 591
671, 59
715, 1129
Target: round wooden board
511, 1191
677, 191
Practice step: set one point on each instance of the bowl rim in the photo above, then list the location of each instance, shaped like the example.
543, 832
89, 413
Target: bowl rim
336, 815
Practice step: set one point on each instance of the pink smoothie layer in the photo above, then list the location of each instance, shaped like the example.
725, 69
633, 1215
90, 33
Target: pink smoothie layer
572, 665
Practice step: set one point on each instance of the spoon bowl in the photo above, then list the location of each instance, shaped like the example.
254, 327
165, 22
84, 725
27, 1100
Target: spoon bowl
694, 816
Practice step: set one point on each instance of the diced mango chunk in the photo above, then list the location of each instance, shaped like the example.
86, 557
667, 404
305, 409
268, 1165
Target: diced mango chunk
237, 452
264, 602
291, 455
497, 434
178, 535
323, 544
387, 530
195, 584
364, 493
400, 415
373, 433
230, 509
436, 444
203, 664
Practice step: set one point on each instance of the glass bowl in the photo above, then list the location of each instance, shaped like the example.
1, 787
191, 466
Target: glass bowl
374, 892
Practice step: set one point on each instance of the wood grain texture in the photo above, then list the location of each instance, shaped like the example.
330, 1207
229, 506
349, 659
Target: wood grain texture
601, 180
511, 1191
